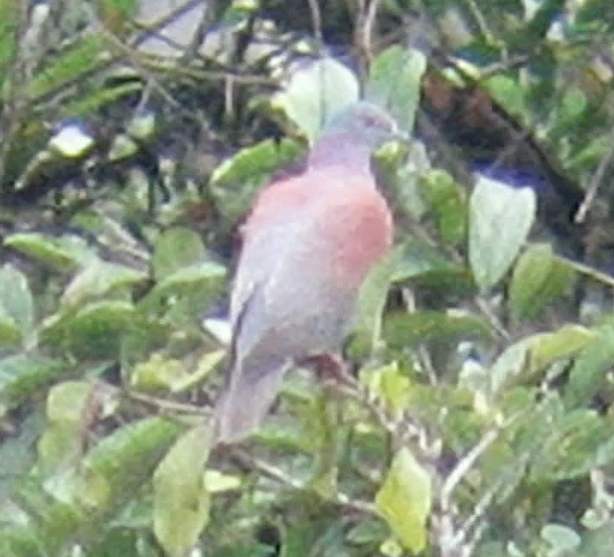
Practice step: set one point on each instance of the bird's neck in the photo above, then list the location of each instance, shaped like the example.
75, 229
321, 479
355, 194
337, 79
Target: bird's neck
341, 150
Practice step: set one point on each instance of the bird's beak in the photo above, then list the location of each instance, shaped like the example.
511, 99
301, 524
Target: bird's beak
401, 136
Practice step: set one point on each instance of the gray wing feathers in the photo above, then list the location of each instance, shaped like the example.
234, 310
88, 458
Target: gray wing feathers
293, 302
282, 309
243, 406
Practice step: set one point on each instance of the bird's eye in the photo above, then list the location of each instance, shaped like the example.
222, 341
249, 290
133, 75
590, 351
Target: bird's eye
373, 121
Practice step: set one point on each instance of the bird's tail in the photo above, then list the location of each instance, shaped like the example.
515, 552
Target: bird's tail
244, 404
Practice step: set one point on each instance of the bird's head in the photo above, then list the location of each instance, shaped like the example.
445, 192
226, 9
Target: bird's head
367, 123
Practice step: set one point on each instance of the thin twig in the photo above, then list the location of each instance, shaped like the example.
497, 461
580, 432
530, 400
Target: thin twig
166, 405
464, 466
316, 20
362, 397
368, 27
483, 26
595, 274
595, 183
277, 474
472, 522
501, 66
131, 56
207, 20
423, 353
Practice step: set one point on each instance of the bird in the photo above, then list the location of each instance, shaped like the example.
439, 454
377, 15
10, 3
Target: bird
308, 244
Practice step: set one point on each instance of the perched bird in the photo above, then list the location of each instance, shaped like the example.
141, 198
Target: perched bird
309, 243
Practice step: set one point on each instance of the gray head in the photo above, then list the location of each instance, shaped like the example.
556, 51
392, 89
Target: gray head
366, 122
353, 134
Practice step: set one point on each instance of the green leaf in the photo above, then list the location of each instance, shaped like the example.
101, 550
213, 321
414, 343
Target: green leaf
235, 182
10, 333
9, 21
315, 92
571, 448
405, 177
262, 158
218, 482
321, 423
181, 502
97, 279
367, 531
61, 254
500, 219
395, 79
313, 527
560, 538
68, 66
598, 542
70, 142
185, 294
449, 203
176, 249
405, 500
18, 453
142, 125
389, 385
391, 548
97, 98
564, 343
206, 364
16, 301
60, 445
493, 549
591, 153
62, 442
145, 336
22, 376
157, 372
120, 540
589, 369
416, 258
71, 507
93, 331
403, 330
510, 366
567, 116
128, 457
66, 401
197, 275
509, 93
318, 421
371, 301
111, 473
122, 147
538, 279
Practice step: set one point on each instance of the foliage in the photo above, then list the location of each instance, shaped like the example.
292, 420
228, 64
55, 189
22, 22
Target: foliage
481, 423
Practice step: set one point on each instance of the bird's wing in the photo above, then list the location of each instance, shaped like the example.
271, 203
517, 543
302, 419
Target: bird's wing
247, 397
258, 362
269, 228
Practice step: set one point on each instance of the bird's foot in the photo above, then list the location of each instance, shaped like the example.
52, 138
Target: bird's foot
331, 367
